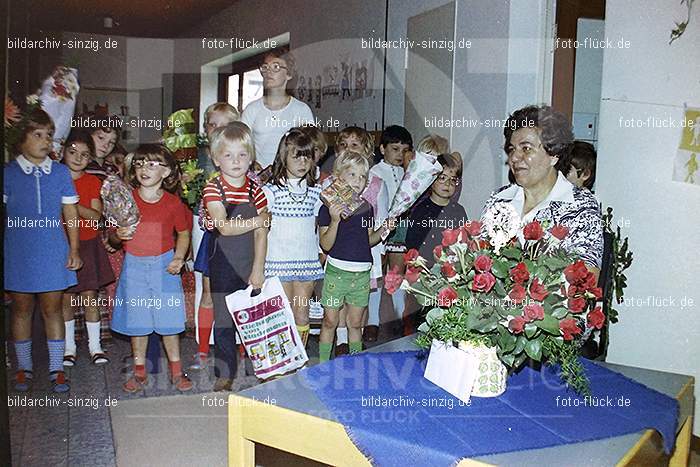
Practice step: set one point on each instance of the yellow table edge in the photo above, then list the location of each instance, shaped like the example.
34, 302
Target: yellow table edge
251, 421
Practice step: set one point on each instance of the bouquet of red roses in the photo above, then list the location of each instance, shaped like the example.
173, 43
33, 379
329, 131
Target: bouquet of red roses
515, 289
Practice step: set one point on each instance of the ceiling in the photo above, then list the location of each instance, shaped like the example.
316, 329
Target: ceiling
133, 18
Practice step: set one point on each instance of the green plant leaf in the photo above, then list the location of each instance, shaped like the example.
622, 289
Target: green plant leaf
512, 253
533, 349
500, 269
432, 315
519, 345
559, 313
530, 330
549, 324
508, 359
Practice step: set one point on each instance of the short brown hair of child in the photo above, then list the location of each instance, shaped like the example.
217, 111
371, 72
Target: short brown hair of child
451, 162
317, 137
160, 153
78, 135
363, 135
583, 159
222, 107
35, 119
434, 145
295, 142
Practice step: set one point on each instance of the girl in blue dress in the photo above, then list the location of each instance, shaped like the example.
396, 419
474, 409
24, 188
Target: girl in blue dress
41, 253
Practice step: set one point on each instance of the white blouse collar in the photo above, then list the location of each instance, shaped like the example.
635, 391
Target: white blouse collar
27, 167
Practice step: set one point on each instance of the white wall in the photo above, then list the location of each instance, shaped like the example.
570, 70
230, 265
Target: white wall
652, 78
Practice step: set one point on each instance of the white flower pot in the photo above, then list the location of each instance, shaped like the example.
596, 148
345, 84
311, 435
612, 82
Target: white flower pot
491, 375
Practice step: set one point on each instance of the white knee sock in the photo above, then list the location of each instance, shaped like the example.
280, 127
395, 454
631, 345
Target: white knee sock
70, 337
93, 330
341, 336
399, 300
375, 297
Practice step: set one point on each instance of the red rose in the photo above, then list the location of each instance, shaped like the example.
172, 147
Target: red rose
573, 291
392, 280
449, 237
472, 228
437, 252
559, 231
473, 245
569, 328
519, 273
448, 270
537, 290
576, 304
589, 282
483, 263
596, 318
446, 297
412, 274
533, 231
576, 273
410, 256
597, 292
516, 325
533, 312
484, 244
483, 282
517, 293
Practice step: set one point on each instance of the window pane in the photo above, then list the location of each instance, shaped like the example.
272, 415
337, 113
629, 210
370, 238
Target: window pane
252, 86
233, 90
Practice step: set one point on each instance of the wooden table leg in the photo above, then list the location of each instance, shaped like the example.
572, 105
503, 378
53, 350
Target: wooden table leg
681, 453
241, 451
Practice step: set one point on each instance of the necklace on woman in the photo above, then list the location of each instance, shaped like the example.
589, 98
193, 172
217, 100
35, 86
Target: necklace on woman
297, 198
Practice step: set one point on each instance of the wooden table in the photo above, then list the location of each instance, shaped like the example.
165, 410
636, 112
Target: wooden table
285, 414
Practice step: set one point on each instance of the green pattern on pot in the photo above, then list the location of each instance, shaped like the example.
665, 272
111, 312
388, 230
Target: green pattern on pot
491, 379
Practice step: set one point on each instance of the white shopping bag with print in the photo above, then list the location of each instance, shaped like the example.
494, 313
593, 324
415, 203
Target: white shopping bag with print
266, 325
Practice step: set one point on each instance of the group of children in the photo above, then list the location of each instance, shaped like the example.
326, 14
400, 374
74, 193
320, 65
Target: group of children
66, 258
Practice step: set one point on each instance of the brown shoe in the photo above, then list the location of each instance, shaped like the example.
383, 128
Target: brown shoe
342, 349
223, 384
182, 383
370, 333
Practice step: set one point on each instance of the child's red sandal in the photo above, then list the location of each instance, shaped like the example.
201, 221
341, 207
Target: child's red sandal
135, 384
182, 383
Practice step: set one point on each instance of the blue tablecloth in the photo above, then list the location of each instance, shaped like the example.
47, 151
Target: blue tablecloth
395, 416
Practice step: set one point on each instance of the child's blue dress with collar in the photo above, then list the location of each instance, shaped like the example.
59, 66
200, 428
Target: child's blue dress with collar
36, 245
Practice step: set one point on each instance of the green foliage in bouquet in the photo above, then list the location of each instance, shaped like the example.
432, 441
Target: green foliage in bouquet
532, 301
192, 183
622, 259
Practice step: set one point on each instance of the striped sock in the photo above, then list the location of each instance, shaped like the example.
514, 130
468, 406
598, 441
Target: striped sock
56, 348
355, 347
324, 352
23, 351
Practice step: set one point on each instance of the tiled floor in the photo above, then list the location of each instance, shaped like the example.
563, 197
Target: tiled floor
76, 428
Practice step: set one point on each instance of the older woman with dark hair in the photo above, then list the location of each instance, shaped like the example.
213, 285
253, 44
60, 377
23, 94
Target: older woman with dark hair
538, 143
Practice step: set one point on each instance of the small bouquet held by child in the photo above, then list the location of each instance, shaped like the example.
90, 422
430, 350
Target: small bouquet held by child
119, 206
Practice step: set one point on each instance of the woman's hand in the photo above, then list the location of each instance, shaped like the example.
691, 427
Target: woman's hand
175, 266
74, 262
257, 277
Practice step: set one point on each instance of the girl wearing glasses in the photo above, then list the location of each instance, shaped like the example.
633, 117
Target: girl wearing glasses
293, 200
96, 271
277, 111
149, 294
